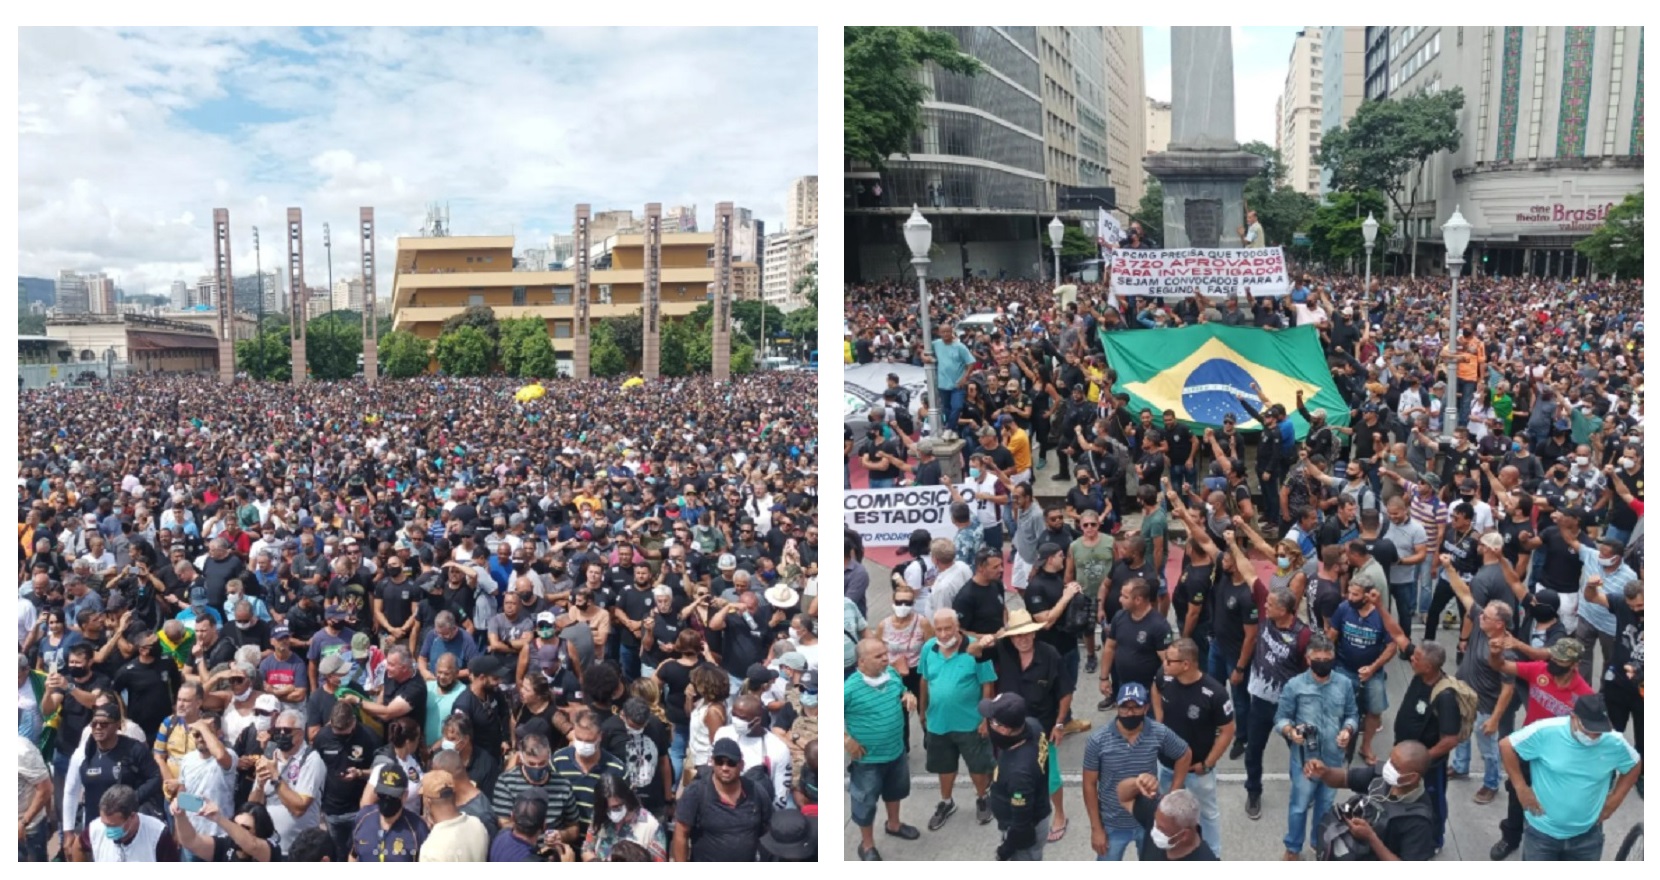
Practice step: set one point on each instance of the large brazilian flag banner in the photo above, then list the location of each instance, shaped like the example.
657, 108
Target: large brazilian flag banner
1198, 370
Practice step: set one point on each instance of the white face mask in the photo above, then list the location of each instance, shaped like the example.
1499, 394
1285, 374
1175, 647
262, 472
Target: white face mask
1627, 463
585, 749
447, 745
951, 643
617, 814
1585, 739
1391, 776
875, 681
1160, 839
902, 611
245, 695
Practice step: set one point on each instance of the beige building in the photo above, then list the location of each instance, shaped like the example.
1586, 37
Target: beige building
348, 295
801, 203
1126, 122
1093, 126
1297, 135
145, 343
746, 280
787, 257
1158, 126
436, 278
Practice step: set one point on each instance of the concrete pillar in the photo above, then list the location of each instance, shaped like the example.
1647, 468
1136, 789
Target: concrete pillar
298, 296
651, 295
366, 230
227, 288
579, 333
721, 326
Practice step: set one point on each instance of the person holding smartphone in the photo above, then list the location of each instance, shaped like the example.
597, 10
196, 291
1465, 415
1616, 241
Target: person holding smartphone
247, 837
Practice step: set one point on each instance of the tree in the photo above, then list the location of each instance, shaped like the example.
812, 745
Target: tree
332, 347
1617, 245
536, 357
465, 351
481, 317
743, 359
628, 333
882, 88
403, 354
748, 313
1386, 146
29, 324
1281, 210
677, 335
267, 358
1334, 230
520, 338
605, 357
1076, 244
1151, 211
806, 287
802, 324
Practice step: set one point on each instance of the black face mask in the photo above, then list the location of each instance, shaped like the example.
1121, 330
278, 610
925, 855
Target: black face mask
1003, 741
1556, 670
282, 740
390, 805
1544, 613
77, 671
1321, 668
1131, 722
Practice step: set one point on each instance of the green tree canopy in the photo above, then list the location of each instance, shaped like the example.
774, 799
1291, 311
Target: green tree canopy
1386, 145
1334, 231
628, 333
465, 351
1281, 209
403, 354
482, 317
518, 339
882, 88
332, 347
605, 357
1617, 245
1151, 210
29, 324
268, 357
677, 335
749, 313
802, 324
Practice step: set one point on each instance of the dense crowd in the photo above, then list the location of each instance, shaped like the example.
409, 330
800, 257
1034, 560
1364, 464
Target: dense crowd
1237, 587
420, 620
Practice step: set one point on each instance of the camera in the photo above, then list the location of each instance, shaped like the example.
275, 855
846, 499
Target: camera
1308, 732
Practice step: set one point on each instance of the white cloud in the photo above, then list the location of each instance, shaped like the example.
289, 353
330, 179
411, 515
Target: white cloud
510, 127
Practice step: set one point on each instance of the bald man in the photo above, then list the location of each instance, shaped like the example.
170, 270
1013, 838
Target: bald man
954, 681
1405, 829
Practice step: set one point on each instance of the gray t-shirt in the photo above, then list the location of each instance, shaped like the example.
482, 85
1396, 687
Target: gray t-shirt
1405, 536
1478, 673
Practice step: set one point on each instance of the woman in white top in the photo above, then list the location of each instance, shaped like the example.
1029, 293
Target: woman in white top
707, 692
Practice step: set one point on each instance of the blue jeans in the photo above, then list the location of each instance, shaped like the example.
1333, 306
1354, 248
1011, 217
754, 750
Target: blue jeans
1310, 799
1220, 669
1538, 846
1182, 475
677, 748
1435, 788
1260, 722
1489, 748
1119, 840
953, 399
32, 848
889, 781
1210, 812
628, 657
1617, 534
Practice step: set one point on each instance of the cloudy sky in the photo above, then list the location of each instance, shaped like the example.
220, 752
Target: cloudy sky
130, 138
1261, 56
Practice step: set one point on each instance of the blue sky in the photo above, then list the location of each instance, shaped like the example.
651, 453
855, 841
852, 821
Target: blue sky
1260, 57
129, 138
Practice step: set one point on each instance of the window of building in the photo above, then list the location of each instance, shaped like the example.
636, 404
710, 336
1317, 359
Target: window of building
469, 259
562, 294
561, 329
518, 296
475, 299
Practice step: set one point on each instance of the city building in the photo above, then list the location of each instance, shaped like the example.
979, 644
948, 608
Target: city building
71, 295
1343, 82
1552, 138
1126, 126
746, 280
320, 303
788, 255
144, 343
254, 294
677, 218
1158, 126
100, 293
608, 223
801, 203
1299, 122
348, 294
746, 244
561, 250
534, 259
436, 278
179, 295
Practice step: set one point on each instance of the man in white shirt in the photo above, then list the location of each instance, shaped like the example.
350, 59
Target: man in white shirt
951, 576
760, 746
290, 782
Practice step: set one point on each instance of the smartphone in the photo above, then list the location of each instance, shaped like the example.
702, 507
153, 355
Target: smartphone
188, 802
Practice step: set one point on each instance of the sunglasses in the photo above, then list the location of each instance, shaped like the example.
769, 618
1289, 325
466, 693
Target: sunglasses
727, 762
1091, 525
898, 604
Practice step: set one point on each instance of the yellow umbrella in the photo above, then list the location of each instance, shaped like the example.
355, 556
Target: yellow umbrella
634, 382
529, 392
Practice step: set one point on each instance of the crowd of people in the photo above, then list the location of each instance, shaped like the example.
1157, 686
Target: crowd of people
1246, 589
418, 621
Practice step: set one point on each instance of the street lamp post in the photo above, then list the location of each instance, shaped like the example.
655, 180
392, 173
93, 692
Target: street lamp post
259, 304
919, 237
1455, 234
329, 250
1369, 231
1057, 232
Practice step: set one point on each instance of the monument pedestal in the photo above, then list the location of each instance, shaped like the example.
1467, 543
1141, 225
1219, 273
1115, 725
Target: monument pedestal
1204, 194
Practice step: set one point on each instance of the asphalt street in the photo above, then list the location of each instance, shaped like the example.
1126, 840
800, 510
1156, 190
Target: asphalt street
1472, 828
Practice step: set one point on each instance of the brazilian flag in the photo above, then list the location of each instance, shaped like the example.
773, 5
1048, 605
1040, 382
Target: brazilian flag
1198, 371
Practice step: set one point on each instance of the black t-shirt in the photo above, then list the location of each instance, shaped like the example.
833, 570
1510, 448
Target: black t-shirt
1512, 531
1138, 643
150, 688
226, 850
927, 473
339, 754
743, 642
1628, 643
1193, 588
1039, 683
979, 608
635, 603
1410, 836
1181, 443
414, 692
398, 600
1424, 720
1466, 558
675, 677
719, 831
664, 631
1195, 712
489, 719
1002, 457
1144, 810
1562, 564
642, 758
75, 716
1042, 594
1234, 608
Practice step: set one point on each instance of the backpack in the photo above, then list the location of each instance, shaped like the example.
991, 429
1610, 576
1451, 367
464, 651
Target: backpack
1079, 616
1466, 703
757, 781
1334, 842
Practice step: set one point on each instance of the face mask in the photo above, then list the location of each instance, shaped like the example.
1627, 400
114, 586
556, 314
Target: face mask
447, 745
1283, 561
1357, 605
1609, 561
974, 473
902, 611
586, 749
1557, 670
283, 741
1585, 739
244, 624
537, 775
1321, 668
1392, 458
617, 814
114, 832
1131, 722
1581, 461
389, 805
951, 643
545, 632
1391, 776
245, 694
1000, 740
77, 671
875, 681
1627, 463
1160, 839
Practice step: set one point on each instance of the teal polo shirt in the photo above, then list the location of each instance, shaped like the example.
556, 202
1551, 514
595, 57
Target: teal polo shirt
953, 688
1569, 777
874, 716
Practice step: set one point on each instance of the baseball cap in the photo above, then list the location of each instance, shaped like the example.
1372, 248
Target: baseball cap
1493, 541
1046, 551
1131, 692
335, 613
760, 675
1591, 709
333, 664
794, 660
438, 784
546, 617
484, 664
726, 562
728, 749
279, 632
360, 646
391, 780
1565, 652
1008, 709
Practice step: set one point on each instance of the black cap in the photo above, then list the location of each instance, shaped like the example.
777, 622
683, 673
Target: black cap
1592, 712
1007, 709
390, 780
1046, 551
759, 675
728, 749
484, 664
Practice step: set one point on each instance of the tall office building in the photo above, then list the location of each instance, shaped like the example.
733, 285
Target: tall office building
1343, 81
179, 295
1126, 121
206, 292
801, 203
678, 218
1299, 117
100, 293
1552, 137
1158, 126
71, 295
348, 295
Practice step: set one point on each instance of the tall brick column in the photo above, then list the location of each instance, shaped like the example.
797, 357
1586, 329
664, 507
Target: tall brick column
721, 344
226, 293
651, 296
299, 298
580, 338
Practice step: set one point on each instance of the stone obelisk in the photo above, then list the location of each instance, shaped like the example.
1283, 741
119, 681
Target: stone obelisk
1204, 171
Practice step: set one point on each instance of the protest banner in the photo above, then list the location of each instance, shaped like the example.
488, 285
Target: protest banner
886, 517
1179, 273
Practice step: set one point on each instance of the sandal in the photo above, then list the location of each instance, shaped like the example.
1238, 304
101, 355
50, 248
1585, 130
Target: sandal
1368, 758
1055, 834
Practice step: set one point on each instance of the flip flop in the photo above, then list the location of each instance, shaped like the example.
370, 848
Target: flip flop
1055, 834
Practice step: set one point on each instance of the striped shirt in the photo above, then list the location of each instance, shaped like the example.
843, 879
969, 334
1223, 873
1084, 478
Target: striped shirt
556, 791
583, 782
1108, 753
874, 717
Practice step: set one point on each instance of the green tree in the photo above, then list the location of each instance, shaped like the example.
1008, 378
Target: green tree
482, 317
29, 324
465, 351
628, 333
802, 324
882, 88
747, 312
536, 357
332, 348
519, 339
1151, 210
1617, 245
743, 359
1076, 244
1334, 230
403, 354
677, 336
700, 354
605, 357
267, 358
1386, 146
806, 287
1281, 209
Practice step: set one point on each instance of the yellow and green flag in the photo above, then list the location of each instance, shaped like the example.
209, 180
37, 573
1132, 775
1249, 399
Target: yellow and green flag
1198, 371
